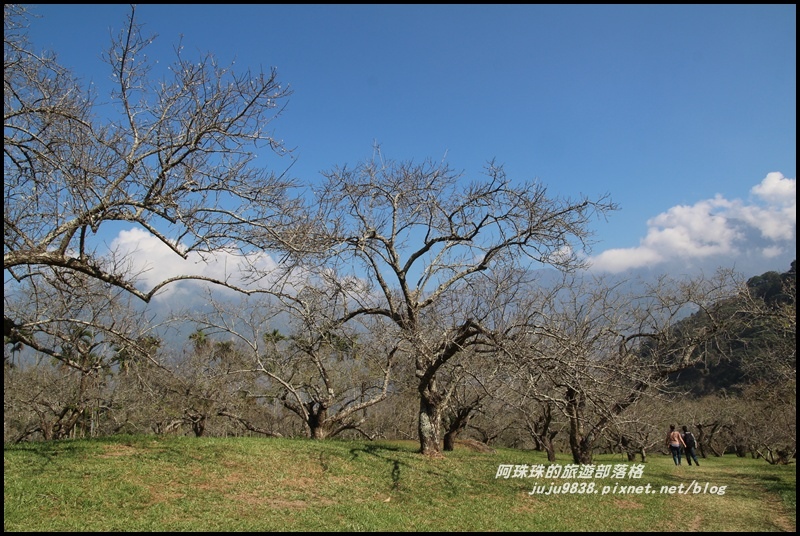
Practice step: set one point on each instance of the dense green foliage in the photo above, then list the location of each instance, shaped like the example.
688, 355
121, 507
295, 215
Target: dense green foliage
759, 349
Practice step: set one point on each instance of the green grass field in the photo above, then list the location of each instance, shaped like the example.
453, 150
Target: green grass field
254, 484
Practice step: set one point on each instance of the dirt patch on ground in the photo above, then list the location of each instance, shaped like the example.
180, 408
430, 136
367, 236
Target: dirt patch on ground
626, 504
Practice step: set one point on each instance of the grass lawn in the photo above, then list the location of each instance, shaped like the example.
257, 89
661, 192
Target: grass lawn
146, 483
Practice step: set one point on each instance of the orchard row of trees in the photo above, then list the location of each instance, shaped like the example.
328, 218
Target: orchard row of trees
408, 300
570, 383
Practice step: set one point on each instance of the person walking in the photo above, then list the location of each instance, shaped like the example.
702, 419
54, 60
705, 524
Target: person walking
691, 446
675, 442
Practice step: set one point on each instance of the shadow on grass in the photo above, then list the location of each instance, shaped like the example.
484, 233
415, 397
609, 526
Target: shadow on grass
382, 452
46, 452
449, 474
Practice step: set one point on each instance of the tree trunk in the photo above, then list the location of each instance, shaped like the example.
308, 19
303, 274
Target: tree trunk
198, 423
318, 420
319, 432
430, 422
457, 425
547, 442
450, 440
581, 450
541, 433
629, 448
579, 444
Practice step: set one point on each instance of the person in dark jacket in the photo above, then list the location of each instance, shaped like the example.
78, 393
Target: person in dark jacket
690, 445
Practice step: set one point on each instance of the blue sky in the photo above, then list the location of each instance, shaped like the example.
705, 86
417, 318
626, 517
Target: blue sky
685, 115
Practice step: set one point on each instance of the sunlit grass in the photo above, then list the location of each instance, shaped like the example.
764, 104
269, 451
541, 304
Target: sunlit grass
253, 484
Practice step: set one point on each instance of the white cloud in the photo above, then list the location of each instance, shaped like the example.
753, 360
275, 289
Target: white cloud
770, 252
154, 262
720, 231
715, 229
776, 189
779, 220
619, 260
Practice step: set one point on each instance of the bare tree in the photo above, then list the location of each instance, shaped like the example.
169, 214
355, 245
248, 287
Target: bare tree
66, 353
769, 323
48, 401
470, 381
640, 428
171, 153
419, 237
594, 348
540, 419
55, 319
327, 375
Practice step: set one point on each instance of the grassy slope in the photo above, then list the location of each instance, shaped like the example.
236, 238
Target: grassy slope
254, 484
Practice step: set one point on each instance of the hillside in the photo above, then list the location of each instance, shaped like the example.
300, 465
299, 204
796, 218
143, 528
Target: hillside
146, 483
